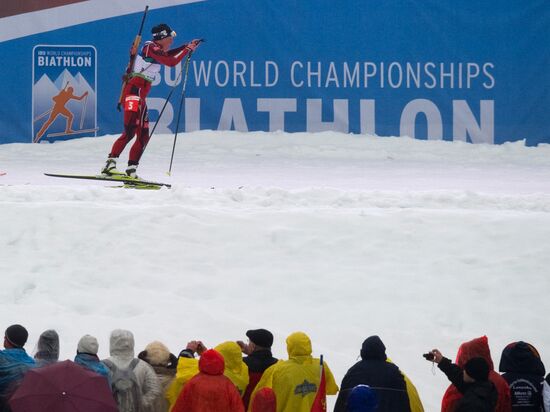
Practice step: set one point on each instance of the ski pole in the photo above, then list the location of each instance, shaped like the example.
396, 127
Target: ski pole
176, 84
83, 112
163, 107
179, 111
42, 115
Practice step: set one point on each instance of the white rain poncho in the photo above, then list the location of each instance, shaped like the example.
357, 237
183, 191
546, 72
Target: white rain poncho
47, 348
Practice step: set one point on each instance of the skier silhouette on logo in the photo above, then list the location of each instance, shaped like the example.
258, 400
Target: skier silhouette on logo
60, 100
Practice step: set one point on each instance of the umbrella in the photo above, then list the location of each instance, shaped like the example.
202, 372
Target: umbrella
63, 387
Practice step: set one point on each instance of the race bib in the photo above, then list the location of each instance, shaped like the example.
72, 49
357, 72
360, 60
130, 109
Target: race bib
131, 103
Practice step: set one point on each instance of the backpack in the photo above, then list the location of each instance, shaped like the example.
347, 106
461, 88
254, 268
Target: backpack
125, 386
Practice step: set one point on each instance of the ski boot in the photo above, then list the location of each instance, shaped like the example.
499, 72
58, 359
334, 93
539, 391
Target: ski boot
131, 171
110, 167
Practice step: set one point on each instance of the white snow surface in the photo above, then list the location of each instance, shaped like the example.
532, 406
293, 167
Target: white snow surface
424, 243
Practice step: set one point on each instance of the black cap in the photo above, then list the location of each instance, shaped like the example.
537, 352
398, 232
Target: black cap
477, 368
17, 335
260, 337
162, 31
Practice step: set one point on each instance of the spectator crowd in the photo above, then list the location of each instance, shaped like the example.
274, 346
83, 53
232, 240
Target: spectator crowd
221, 379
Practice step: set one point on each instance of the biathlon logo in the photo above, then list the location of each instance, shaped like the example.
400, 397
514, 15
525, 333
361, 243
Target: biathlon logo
64, 101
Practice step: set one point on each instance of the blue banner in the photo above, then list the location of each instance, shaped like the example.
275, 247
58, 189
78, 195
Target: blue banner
64, 84
434, 69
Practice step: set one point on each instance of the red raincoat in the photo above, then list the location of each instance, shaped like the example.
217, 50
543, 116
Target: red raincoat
264, 401
210, 390
478, 347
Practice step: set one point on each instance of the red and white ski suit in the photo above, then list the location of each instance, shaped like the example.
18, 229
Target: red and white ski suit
136, 121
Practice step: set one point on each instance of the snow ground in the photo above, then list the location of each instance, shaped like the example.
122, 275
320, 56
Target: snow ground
424, 243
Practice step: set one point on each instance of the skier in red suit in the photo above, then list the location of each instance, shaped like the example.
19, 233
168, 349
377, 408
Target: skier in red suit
146, 68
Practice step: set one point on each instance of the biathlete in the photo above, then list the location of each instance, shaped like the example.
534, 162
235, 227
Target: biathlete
147, 66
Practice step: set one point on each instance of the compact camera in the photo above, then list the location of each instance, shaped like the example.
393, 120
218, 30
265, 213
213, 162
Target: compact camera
429, 356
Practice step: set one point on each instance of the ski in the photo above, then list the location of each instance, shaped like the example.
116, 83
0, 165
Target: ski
141, 186
131, 182
238, 187
72, 132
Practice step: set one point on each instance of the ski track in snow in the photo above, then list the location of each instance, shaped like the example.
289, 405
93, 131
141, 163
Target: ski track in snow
426, 244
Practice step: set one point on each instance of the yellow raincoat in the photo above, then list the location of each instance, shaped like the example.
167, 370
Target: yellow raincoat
414, 399
235, 369
296, 381
187, 368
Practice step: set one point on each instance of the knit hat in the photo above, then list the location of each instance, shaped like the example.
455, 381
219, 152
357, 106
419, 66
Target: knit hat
260, 337
87, 344
162, 31
362, 399
477, 369
17, 335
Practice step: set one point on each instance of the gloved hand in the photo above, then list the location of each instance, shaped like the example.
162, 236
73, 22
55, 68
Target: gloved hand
193, 44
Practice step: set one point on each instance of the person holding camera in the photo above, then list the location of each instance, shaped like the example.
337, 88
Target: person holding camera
478, 347
479, 393
258, 359
209, 390
187, 368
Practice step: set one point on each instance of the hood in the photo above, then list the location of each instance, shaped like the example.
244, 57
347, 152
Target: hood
121, 344
232, 356
157, 354
521, 357
211, 362
298, 344
373, 348
478, 347
235, 369
47, 347
264, 401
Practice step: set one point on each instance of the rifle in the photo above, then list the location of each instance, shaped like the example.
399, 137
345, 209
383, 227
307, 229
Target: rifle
133, 53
